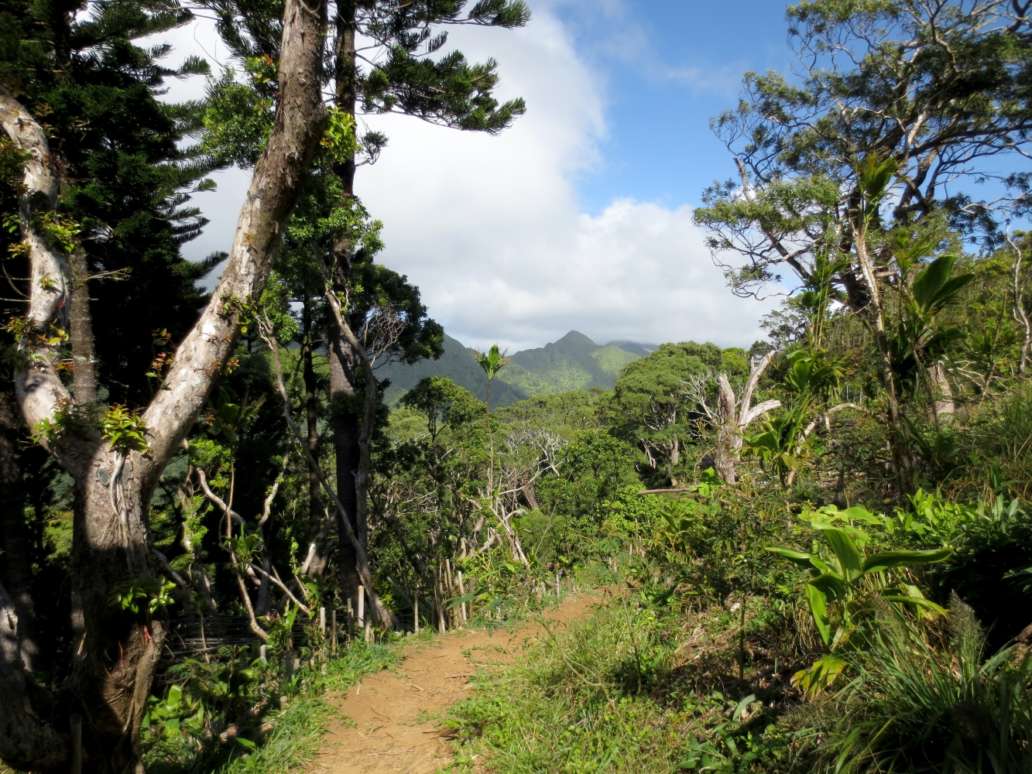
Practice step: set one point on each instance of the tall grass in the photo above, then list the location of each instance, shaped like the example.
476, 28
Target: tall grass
610, 694
927, 701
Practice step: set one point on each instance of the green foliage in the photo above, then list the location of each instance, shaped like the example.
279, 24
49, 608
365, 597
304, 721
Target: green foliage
443, 403
991, 566
61, 230
810, 377
930, 701
69, 417
592, 469
124, 430
338, 140
604, 695
145, 599
238, 693
491, 362
989, 455
846, 580
655, 402
237, 121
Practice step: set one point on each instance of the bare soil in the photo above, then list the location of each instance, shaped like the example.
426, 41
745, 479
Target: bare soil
390, 722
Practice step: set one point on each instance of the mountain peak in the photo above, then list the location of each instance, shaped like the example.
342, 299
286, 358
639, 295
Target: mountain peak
576, 338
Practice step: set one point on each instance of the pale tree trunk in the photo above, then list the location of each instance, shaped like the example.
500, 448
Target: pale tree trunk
943, 405
116, 649
734, 415
901, 458
1019, 311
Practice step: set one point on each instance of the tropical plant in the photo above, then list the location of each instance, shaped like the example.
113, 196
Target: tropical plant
846, 580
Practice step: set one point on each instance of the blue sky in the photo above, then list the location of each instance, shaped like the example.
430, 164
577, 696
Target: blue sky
669, 67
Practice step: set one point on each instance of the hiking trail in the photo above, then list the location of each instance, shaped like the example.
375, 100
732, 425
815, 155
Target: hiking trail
390, 721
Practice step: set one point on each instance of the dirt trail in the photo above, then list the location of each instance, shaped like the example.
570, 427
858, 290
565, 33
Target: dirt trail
394, 712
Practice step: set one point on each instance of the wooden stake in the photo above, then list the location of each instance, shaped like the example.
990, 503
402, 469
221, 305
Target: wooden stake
76, 721
415, 614
462, 605
360, 600
333, 631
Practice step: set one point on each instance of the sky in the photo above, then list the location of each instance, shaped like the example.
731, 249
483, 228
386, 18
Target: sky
580, 215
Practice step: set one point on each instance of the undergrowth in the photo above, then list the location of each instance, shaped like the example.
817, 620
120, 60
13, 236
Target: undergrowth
287, 737
619, 690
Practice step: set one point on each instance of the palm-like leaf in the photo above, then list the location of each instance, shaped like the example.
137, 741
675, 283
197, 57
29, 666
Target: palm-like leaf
492, 361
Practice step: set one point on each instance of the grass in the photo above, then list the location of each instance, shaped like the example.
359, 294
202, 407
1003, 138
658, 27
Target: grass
929, 699
615, 692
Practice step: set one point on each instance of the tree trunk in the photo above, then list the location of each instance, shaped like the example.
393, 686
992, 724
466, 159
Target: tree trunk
28, 739
80, 331
362, 569
316, 563
1020, 313
113, 573
901, 458
943, 405
344, 412
345, 422
116, 647
15, 542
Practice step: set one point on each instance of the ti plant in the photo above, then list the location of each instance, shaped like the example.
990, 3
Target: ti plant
918, 340
845, 581
492, 361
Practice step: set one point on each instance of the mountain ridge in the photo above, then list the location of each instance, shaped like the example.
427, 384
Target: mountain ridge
572, 362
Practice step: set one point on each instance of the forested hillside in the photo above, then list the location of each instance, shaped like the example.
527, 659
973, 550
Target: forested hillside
231, 488
574, 362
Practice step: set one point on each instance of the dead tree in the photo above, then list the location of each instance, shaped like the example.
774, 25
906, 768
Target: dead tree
733, 415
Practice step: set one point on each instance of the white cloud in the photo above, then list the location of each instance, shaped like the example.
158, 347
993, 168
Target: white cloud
490, 227
491, 231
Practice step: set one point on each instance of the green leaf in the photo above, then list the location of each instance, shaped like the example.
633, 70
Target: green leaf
934, 286
819, 675
886, 560
742, 706
931, 279
175, 697
832, 584
849, 557
819, 608
801, 558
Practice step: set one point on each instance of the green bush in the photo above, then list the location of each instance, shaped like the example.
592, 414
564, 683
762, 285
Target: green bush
591, 469
707, 545
990, 454
991, 567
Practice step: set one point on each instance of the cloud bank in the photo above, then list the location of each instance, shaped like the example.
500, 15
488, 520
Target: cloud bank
491, 230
